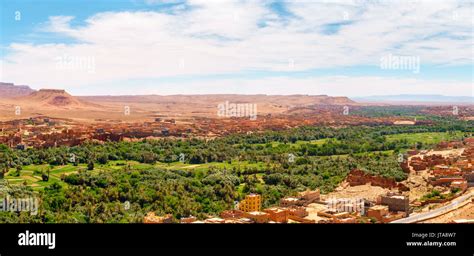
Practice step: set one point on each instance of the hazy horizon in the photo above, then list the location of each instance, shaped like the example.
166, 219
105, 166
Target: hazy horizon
365, 98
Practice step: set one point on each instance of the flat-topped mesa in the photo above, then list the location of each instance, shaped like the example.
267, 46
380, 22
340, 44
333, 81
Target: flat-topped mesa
10, 90
331, 100
52, 91
49, 93
54, 98
12, 85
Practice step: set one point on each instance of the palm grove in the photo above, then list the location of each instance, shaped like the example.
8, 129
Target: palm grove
274, 164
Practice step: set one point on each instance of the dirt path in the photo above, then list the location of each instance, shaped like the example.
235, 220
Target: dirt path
362, 191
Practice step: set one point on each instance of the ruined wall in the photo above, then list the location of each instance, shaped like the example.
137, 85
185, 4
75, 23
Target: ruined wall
358, 177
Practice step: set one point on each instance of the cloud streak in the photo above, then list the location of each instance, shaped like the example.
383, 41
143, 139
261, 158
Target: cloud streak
224, 37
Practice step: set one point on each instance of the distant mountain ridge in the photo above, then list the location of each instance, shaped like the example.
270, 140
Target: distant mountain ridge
53, 98
10, 90
295, 99
433, 98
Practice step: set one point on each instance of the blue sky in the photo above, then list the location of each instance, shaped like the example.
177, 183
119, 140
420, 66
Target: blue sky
34, 13
274, 47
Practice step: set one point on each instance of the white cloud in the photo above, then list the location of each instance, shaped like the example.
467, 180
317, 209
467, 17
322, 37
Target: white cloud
59, 24
216, 37
152, 2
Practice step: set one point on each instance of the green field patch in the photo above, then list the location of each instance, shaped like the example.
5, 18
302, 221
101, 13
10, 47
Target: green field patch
317, 142
65, 169
426, 137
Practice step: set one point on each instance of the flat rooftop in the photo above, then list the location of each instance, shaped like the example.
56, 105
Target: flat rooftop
257, 213
290, 199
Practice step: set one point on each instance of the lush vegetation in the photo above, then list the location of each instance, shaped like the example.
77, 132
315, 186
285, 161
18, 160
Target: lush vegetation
92, 182
384, 111
437, 195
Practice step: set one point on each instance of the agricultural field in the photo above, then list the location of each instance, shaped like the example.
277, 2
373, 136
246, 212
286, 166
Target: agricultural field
428, 138
31, 175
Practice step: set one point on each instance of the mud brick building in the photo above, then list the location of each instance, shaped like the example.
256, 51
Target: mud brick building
459, 184
238, 221
405, 166
465, 165
444, 181
358, 177
445, 171
278, 214
469, 141
189, 219
151, 218
257, 216
302, 199
449, 145
395, 203
297, 211
428, 161
214, 220
309, 196
251, 203
290, 201
432, 160
418, 164
469, 177
333, 214
232, 214
378, 212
